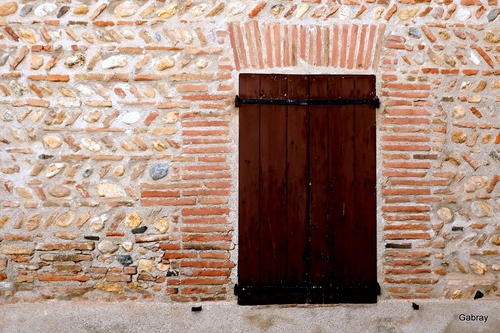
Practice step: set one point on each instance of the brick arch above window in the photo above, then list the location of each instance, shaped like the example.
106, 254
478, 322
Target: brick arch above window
258, 45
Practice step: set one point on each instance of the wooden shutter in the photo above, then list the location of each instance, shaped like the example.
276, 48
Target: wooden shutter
307, 218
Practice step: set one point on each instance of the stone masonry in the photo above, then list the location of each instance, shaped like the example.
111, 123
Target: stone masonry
119, 152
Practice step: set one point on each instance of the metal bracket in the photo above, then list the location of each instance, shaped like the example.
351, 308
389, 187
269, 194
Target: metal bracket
307, 102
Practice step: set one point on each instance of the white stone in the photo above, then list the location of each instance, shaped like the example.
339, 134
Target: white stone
90, 144
171, 117
119, 170
378, 13
478, 267
126, 9
184, 35
68, 103
109, 190
52, 142
114, 62
54, 169
463, 14
201, 63
128, 34
131, 117
458, 112
44, 9
199, 10
96, 224
419, 58
128, 246
474, 58
84, 90
236, 8
344, 13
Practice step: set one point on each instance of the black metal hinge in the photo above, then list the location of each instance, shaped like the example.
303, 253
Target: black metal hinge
307, 102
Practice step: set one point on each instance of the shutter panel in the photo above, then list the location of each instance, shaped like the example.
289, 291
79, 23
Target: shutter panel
306, 191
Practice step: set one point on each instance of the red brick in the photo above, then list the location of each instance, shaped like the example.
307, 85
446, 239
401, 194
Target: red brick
81, 278
204, 211
204, 281
421, 235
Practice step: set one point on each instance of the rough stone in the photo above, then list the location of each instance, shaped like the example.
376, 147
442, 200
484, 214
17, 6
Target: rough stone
88, 172
414, 32
406, 14
199, 10
33, 222
119, 170
27, 35
114, 62
16, 250
54, 169
90, 144
493, 14
81, 10
107, 246
110, 287
125, 259
52, 142
456, 294
492, 36
463, 14
478, 267
201, 63
66, 219
59, 191
167, 12
480, 209
165, 63
458, 136
109, 190
93, 116
475, 183
96, 224
162, 224
8, 8
133, 220
158, 171
158, 145
45, 9
162, 267
445, 214
146, 265
128, 246
36, 62
495, 240
126, 9
75, 61
235, 8
139, 230
25, 10
277, 9
171, 117
495, 267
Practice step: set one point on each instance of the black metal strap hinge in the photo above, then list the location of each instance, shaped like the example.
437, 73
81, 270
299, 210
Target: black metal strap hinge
307, 102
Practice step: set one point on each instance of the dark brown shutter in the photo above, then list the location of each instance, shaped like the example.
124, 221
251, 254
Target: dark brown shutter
307, 219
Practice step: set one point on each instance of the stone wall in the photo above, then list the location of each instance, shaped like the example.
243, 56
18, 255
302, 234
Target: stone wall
118, 147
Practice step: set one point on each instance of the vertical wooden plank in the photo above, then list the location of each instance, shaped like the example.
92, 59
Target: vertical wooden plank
341, 182
297, 188
248, 211
273, 213
318, 175
365, 218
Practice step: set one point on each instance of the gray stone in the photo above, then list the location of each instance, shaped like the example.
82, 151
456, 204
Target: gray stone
413, 32
493, 14
158, 171
88, 172
62, 11
25, 10
125, 259
4, 59
139, 230
8, 116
